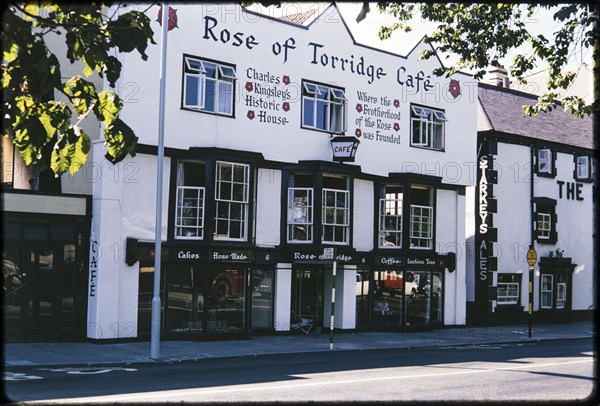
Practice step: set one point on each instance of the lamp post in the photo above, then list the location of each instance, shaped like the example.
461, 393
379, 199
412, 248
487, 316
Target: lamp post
155, 328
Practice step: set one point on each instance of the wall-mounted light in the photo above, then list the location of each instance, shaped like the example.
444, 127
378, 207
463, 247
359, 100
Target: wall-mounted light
344, 148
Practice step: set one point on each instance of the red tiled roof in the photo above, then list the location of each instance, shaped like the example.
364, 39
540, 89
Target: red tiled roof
299, 18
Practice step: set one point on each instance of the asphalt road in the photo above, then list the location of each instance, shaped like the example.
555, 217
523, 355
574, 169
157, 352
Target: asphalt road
547, 370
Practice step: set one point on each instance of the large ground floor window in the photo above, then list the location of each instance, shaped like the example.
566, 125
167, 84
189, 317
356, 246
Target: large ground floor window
395, 298
44, 292
202, 300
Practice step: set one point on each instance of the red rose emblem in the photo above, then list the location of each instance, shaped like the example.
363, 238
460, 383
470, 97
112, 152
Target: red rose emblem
250, 114
358, 132
172, 18
286, 79
396, 103
249, 86
396, 126
454, 88
359, 108
285, 106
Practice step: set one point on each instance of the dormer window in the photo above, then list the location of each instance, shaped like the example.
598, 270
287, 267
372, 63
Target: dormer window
545, 162
583, 168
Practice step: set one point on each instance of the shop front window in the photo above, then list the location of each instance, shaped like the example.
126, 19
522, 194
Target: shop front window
418, 306
362, 299
508, 289
225, 300
387, 305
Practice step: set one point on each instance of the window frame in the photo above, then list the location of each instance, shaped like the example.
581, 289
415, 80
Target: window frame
547, 291
335, 106
223, 106
200, 208
561, 302
345, 209
550, 170
514, 298
309, 224
428, 120
222, 201
390, 206
420, 237
544, 219
588, 168
545, 215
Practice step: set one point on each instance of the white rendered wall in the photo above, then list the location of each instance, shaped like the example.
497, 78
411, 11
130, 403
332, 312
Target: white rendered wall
283, 297
362, 232
450, 231
574, 225
123, 206
268, 207
289, 142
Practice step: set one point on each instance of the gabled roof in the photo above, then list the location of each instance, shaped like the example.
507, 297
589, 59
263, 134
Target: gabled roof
298, 18
503, 109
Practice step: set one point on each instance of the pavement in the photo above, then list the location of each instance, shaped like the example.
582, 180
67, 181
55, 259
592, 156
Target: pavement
125, 353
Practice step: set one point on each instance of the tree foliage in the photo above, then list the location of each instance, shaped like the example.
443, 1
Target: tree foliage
41, 108
481, 34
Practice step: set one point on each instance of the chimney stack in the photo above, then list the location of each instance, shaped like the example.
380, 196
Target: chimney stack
498, 76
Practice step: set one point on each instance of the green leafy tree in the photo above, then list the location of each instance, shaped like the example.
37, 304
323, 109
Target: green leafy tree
481, 34
42, 111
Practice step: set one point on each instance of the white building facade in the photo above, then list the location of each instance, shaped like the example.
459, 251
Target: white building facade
253, 196
535, 189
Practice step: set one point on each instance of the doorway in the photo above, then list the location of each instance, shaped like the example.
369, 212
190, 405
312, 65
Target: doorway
307, 295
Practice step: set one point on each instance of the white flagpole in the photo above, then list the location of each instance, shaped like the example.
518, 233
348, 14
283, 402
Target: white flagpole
155, 333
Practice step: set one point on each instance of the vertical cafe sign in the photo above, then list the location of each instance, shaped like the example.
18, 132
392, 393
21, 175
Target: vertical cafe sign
486, 234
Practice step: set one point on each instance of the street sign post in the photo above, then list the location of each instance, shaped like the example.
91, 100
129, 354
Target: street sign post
531, 260
329, 255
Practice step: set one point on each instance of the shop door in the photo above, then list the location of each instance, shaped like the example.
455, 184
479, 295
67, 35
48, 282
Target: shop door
307, 295
184, 301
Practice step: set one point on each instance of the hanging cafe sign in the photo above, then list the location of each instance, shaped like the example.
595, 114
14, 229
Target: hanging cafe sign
344, 148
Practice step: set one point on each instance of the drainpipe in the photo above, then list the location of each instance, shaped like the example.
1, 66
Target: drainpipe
531, 245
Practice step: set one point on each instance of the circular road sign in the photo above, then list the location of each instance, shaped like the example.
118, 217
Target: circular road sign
531, 257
